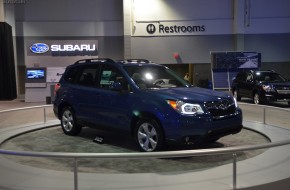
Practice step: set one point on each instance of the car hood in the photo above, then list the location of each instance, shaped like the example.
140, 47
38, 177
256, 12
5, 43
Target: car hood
192, 94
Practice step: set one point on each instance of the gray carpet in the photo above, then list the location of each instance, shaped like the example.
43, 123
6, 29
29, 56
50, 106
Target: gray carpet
53, 140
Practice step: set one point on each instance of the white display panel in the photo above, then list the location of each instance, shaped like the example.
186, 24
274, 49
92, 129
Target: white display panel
54, 73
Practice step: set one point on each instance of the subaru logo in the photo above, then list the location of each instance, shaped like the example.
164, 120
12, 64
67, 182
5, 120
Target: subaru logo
224, 105
39, 48
151, 28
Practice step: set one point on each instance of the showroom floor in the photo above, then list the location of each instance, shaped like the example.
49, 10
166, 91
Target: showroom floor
270, 166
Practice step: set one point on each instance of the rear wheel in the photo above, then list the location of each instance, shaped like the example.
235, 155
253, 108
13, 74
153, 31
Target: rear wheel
148, 135
68, 122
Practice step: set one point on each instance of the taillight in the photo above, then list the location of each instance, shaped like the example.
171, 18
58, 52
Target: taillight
56, 87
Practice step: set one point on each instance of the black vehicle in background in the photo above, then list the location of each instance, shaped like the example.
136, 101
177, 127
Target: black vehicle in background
261, 86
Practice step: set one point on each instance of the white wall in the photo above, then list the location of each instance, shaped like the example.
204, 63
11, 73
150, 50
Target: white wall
2, 18
240, 16
71, 10
172, 10
269, 16
70, 28
69, 18
208, 13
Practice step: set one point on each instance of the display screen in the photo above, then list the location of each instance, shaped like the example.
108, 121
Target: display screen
35, 74
236, 60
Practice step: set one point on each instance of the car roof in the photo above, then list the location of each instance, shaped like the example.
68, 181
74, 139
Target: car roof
128, 61
138, 62
260, 71
94, 60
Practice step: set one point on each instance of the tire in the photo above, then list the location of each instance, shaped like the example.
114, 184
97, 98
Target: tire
256, 98
148, 135
235, 94
69, 123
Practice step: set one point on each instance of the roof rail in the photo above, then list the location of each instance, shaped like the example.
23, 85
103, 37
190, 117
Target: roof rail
134, 61
95, 60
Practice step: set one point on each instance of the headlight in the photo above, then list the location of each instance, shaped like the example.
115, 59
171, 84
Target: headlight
236, 103
268, 88
185, 108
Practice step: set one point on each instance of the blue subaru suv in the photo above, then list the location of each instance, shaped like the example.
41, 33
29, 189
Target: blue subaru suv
147, 100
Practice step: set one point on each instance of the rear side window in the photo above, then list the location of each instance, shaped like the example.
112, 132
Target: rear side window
71, 75
88, 76
242, 77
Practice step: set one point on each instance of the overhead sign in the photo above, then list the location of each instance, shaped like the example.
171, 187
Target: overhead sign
173, 29
63, 48
182, 28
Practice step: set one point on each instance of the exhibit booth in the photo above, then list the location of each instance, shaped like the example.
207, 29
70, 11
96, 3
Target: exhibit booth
165, 32
46, 61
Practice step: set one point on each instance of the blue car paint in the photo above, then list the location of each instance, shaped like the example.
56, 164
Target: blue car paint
117, 109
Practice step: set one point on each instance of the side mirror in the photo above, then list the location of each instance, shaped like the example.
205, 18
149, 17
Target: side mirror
116, 86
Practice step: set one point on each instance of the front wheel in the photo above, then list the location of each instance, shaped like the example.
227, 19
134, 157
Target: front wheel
68, 122
148, 135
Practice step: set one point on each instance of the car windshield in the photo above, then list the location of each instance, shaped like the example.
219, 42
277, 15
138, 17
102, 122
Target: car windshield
269, 77
153, 76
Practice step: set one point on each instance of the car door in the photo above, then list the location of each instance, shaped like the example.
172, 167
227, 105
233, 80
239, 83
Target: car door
240, 83
248, 85
114, 106
85, 94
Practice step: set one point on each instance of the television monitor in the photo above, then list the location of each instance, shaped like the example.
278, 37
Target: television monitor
235, 60
35, 75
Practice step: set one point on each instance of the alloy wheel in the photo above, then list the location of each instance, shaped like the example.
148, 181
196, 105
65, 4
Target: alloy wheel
67, 120
147, 137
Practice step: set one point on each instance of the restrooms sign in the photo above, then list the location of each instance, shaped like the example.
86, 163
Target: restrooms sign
182, 28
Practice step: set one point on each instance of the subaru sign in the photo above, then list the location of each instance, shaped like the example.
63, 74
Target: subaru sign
63, 48
39, 48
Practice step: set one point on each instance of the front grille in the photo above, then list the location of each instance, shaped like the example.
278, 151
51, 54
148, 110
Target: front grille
221, 108
283, 91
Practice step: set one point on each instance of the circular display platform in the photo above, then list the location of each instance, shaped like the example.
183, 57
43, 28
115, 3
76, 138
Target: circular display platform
54, 140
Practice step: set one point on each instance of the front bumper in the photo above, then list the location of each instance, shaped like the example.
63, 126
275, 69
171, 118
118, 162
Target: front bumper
203, 128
